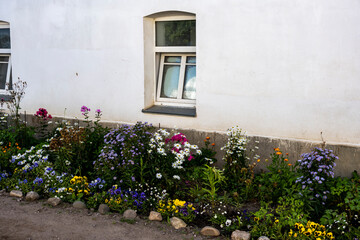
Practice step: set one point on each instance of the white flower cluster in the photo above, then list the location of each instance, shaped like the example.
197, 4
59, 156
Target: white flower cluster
236, 144
157, 142
31, 157
152, 193
179, 151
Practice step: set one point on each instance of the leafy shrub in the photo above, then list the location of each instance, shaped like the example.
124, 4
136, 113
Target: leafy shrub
170, 159
316, 170
77, 148
279, 179
122, 156
238, 169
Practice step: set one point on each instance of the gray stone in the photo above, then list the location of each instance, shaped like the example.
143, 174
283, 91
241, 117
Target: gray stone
16, 193
103, 208
129, 214
263, 238
54, 201
240, 235
177, 223
32, 196
79, 204
155, 216
210, 231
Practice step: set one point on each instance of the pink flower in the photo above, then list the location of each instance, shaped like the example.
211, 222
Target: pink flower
85, 109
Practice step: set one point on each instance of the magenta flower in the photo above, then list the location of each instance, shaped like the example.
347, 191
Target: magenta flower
43, 113
85, 109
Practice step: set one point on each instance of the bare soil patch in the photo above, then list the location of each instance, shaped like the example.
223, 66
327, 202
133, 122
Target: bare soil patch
38, 220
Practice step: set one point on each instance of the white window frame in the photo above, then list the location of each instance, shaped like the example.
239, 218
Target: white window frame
7, 53
182, 64
160, 53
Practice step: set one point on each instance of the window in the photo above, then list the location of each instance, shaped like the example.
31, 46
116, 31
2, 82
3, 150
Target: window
170, 63
175, 47
5, 56
177, 77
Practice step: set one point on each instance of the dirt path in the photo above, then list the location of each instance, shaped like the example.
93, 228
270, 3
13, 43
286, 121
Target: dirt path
37, 220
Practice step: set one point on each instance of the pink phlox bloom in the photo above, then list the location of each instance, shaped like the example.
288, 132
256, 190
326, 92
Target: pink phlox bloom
85, 109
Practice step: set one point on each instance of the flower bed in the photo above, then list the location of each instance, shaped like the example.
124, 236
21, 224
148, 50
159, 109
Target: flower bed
140, 168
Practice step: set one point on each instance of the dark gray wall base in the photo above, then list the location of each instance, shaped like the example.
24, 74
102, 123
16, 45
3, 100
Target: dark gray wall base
349, 155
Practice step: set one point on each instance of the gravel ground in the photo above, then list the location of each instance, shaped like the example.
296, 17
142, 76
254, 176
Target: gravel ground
37, 220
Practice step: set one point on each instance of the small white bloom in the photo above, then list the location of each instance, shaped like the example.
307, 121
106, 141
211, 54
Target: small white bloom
228, 222
158, 176
161, 150
176, 177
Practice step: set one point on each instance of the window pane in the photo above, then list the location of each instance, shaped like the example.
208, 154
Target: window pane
3, 73
169, 87
176, 33
4, 38
173, 59
190, 82
191, 60
4, 59
10, 81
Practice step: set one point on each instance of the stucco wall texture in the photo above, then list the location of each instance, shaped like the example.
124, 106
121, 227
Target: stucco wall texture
278, 69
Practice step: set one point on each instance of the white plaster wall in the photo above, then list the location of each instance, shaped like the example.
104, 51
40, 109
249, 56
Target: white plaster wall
276, 68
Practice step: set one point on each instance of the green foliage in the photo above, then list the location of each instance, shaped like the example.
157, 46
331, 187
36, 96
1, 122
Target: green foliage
213, 178
279, 179
76, 148
266, 224
95, 200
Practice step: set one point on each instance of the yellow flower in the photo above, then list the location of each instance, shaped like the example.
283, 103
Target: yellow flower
277, 149
278, 153
179, 203
329, 235
276, 221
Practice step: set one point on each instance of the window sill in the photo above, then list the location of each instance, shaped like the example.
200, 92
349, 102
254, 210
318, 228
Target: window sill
169, 110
